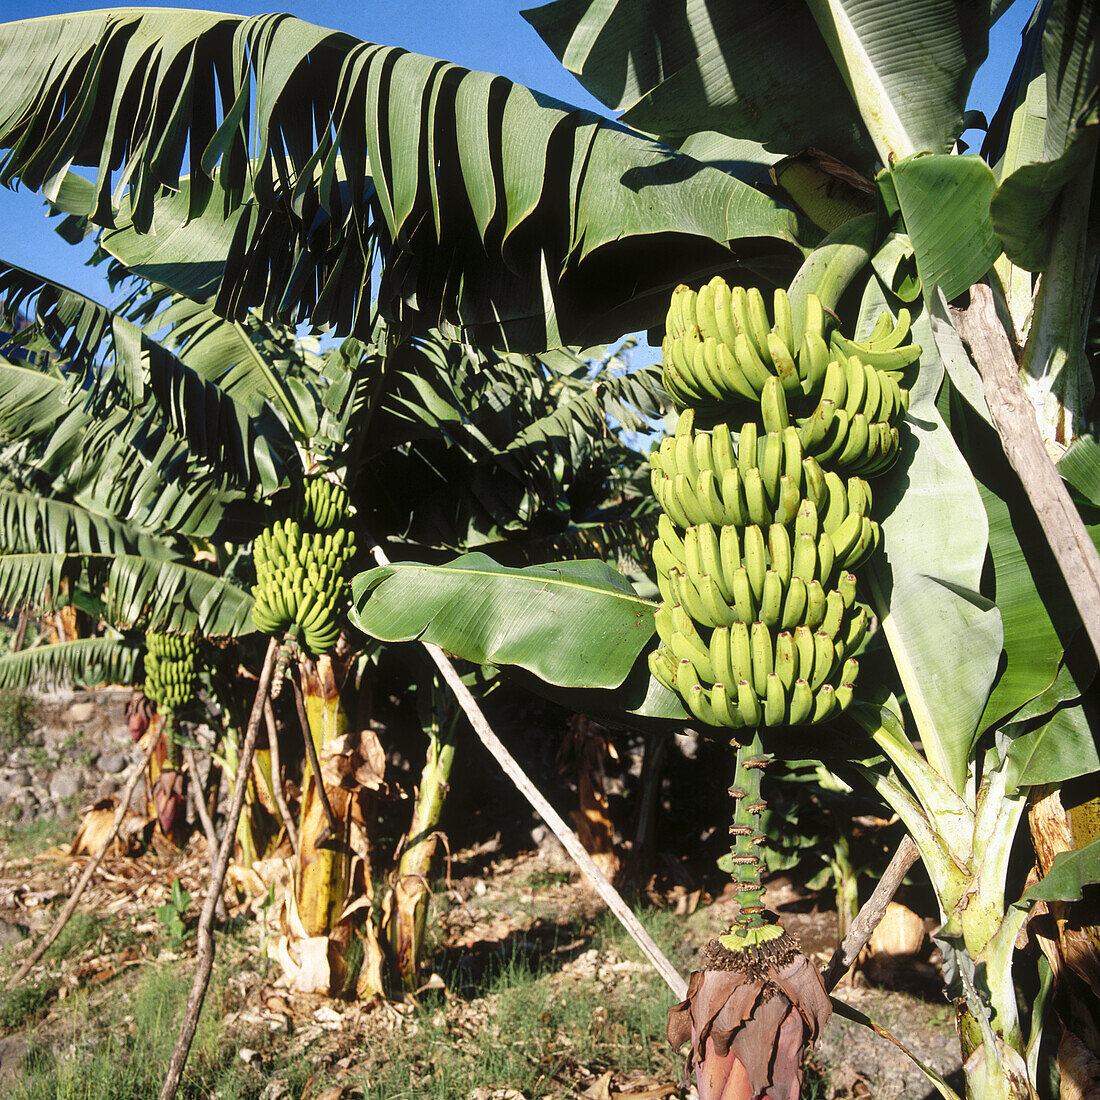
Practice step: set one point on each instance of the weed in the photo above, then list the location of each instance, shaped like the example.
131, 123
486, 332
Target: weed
16, 717
26, 1003
41, 757
172, 912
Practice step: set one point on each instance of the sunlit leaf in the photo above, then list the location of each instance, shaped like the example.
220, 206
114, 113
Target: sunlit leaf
1069, 874
495, 211
575, 623
944, 635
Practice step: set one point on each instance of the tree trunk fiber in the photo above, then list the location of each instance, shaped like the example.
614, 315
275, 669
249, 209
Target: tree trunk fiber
405, 910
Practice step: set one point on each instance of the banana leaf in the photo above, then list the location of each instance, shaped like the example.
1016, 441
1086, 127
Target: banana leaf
1060, 749
944, 202
158, 595
841, 75
1068, 875
515, 220
572, 624
945, 636
85, 661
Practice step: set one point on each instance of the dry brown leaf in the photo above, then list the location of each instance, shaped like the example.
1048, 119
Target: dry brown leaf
600, 1089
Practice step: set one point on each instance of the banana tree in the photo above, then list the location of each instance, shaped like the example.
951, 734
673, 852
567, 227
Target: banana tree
521, 224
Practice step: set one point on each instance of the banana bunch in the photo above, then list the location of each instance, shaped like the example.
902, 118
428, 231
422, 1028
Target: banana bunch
169, 669
767, 491
759, 615
299, 568
721, 347
323, 504
761, 531
753, 674
884, 348
853, 422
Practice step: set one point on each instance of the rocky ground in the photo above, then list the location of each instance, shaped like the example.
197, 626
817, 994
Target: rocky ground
499, 904
72, 750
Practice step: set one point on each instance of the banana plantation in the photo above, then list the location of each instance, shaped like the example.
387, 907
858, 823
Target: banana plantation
372, 424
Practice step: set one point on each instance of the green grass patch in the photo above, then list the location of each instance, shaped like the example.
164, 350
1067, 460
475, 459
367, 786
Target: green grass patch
119, 1049
22, 840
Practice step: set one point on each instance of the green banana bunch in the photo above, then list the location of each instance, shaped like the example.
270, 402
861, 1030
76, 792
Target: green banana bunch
300, 567
853, 424
323, 505
761, 530
721, 347
756, 674
884, 348
170, 669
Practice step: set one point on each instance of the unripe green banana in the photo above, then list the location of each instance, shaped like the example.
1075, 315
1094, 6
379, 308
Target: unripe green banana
802, 703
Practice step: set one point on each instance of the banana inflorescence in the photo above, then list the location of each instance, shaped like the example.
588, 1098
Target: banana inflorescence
761, 531
299, 567
170, 668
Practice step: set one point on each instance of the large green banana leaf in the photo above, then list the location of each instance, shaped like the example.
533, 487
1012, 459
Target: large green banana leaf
32, 522
158, 594
85, 661
501, 213
945, 636
847, 76
1036, 609
116, 464
573, 623
944, 202
113, 363
1047, 168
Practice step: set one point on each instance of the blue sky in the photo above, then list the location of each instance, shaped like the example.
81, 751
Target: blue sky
479, 34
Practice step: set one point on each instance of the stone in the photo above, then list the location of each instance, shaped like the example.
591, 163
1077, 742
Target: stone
65, 783
111, 763
12, 933
19, 777
79, 713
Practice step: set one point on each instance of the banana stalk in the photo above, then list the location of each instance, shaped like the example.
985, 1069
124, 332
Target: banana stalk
405, 908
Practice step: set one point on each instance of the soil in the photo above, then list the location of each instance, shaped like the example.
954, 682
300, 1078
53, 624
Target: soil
501, 899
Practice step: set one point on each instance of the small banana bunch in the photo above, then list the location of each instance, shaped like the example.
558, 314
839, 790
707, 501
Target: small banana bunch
761, 532
299, 567
170, 667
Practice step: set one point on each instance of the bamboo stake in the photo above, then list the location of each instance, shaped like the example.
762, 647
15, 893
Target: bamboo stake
205, 958
90, 869
611, 897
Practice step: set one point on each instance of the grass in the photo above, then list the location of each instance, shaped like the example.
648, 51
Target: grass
118, 1047
22, 840
543, 1012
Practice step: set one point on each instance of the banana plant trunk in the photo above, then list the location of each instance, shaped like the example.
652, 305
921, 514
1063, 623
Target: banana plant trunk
324, 860
332, 897
405, 910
